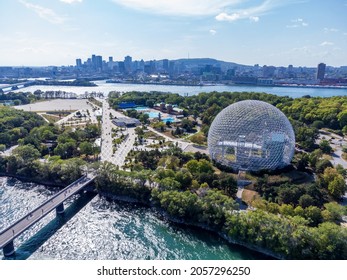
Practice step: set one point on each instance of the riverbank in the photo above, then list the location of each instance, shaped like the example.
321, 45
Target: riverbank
178, 221
102, 229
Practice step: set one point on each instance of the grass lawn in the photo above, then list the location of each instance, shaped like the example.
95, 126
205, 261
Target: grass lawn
51, 118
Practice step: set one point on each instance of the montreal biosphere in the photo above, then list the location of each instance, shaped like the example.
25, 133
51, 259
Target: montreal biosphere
251, 135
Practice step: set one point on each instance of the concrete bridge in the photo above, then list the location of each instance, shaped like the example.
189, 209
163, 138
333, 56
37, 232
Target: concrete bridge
16, 86
56, 202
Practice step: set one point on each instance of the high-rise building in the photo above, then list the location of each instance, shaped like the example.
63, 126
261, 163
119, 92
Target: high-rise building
268, 71
172, 67
78, 63
153, 67
98, 62
166, 65
321, 71
121, 66
128, 61
94, 61
110, 63
141, 65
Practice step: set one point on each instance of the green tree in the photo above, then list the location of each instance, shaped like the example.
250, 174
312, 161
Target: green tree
198, 138
193, 166
325, 147
333, 212
169, 184
86, 148
334, 182
306, 200
342, 117
313, 214
322, 164
286, 210
65, 150
337, 187
2, 147
27, 153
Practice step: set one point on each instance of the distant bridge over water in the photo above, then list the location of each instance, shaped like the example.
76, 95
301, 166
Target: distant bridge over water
56, 202
8, 88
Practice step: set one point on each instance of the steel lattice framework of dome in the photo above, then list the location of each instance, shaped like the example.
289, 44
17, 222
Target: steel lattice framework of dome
251, 135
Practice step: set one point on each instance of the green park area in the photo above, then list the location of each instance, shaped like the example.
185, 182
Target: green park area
292, 213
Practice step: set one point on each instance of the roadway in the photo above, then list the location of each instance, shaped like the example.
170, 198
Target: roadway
31, 218
107, 154
106, 134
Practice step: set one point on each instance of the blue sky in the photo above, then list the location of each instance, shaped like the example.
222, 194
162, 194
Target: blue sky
267, 32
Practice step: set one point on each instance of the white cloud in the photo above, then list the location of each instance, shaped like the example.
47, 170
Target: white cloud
44, 13
71, 1
326, 30
213, 32
299, 22
226, 17
326, 43
179, 7
254, 19
251, 13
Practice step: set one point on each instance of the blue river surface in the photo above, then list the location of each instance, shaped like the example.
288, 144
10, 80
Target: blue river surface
104, 87
95, 228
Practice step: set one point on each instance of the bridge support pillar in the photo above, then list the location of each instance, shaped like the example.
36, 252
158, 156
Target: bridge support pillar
8, 250
60, 209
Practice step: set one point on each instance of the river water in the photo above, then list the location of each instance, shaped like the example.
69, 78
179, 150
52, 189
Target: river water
104, 87
94, 228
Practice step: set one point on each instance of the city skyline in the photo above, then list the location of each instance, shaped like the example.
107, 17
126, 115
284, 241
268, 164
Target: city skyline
268, 32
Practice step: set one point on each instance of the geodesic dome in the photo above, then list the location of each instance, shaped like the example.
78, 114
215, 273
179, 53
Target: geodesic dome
251, 135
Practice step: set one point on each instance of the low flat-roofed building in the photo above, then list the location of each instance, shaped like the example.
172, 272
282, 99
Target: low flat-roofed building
126, 122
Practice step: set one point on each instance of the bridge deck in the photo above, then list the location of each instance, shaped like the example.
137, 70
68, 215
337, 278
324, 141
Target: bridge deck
10, 233
24, 84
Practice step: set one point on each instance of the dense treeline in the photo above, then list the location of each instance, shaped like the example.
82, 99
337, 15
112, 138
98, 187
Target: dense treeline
281, 231
290, 237
54, 171
201, 205
77, 82
18, 97
15, 124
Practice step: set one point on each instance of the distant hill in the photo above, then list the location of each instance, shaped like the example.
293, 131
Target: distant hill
193, 62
